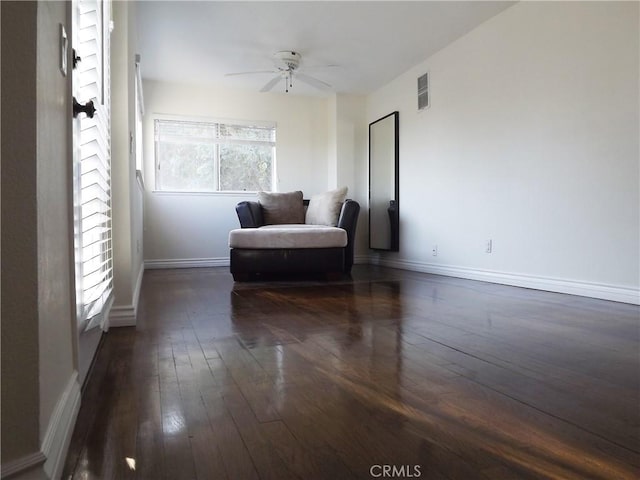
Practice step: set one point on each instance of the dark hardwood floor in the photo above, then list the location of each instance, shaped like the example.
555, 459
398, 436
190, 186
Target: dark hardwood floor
391, 372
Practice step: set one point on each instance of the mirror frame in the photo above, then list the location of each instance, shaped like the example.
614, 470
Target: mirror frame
393, 209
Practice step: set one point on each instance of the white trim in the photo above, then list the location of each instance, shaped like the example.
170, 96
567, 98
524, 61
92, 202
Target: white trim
137, 287
140, 104
187, 262
215, 262
127, 315
584, 289
22, 464
58, 436
123, 316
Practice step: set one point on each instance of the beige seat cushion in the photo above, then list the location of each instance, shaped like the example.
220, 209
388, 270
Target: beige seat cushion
288, 236
281, 208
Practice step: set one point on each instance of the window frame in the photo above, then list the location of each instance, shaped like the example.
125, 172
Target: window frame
211, 120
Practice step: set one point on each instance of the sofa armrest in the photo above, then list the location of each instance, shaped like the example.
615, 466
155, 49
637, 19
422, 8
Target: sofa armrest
250, 214
349, 221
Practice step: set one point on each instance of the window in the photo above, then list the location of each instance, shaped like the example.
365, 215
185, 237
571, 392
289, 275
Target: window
92, 173
199, 156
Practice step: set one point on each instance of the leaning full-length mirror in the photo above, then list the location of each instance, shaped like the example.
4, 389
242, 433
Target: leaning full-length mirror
384, 183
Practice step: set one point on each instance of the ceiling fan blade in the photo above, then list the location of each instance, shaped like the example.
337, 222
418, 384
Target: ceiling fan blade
314, 82
249, 73
271, 83
315, 67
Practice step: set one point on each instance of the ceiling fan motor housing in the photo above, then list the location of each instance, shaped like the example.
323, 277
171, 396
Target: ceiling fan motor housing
287, 60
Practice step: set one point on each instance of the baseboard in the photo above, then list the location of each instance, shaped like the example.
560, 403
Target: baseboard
28, 467
361, 260
122, 316
126, 315
214, 262
49, 461
187, 263
58, 435
572, 287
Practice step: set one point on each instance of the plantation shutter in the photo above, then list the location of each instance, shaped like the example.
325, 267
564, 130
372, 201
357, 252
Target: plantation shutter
93, 238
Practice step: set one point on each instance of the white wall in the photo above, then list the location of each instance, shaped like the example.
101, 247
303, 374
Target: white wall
56, 284
20, 340
192, 229
127, 200
351, 138
531, 140
40, 390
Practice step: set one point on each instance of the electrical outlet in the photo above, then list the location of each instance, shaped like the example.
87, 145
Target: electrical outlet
434, 251
489, 247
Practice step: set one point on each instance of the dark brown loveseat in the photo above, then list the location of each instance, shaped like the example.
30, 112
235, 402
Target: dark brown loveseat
258, 249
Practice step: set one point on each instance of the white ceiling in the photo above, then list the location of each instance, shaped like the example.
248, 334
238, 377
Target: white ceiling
371, 42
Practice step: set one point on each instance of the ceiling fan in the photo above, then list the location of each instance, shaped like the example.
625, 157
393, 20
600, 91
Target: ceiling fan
287, 62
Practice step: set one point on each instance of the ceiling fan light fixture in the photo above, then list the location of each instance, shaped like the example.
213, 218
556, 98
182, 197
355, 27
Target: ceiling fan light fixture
286, 64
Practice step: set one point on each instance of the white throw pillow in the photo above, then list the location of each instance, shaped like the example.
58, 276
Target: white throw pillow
324, 209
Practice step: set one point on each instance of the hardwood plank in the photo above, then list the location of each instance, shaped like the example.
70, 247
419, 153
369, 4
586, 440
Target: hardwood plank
207, 458
305, 463
149, 457
178, 462
227, 438
263, 453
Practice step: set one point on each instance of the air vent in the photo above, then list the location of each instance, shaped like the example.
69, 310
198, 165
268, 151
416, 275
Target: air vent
423, 91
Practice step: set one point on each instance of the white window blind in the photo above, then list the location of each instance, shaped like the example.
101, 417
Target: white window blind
93, 235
